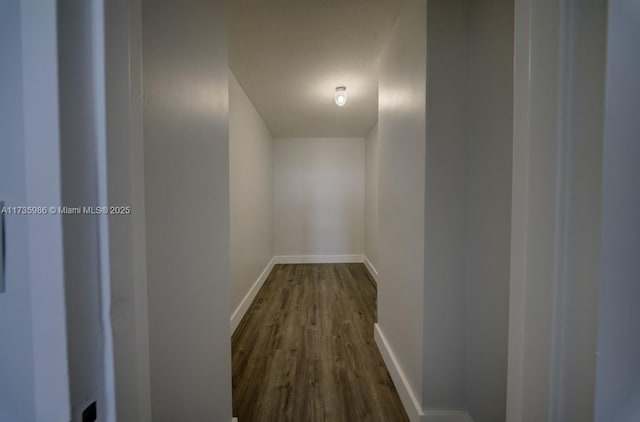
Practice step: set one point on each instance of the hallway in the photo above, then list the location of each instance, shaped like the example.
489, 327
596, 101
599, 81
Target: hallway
305, 350
319, 210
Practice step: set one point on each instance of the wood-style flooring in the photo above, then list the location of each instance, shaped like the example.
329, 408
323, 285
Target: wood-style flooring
304, 352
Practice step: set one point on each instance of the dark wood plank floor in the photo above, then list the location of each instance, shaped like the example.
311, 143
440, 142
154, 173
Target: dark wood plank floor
305, 352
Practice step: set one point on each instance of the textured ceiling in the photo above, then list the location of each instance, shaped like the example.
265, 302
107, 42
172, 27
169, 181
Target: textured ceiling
289, 55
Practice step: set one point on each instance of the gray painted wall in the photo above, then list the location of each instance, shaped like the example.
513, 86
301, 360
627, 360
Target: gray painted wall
618, 373
186, 147
489, 208
446, 207
468, 205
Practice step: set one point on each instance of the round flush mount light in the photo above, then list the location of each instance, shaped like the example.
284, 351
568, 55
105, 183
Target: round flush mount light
341, 95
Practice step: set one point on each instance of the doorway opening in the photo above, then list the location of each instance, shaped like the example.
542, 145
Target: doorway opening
303, 112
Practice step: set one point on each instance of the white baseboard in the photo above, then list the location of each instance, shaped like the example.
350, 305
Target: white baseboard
242, 308
411, 404
409, 401
317, 259
234, 420
371, 268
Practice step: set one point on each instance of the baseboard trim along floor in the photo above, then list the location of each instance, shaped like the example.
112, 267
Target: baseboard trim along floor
409, 401
318, 259
408, 398
371, 268
241, 310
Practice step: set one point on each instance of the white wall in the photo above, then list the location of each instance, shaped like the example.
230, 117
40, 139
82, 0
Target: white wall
372, 171
186, 150
125, 180
455, 361
578, 268
251, 192
556, 209
533, 223
318, 196
618, 366
78, 40
17, 402
401, 191
33, 356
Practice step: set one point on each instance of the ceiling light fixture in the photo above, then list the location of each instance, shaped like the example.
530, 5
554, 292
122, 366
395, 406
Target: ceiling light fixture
341, 95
